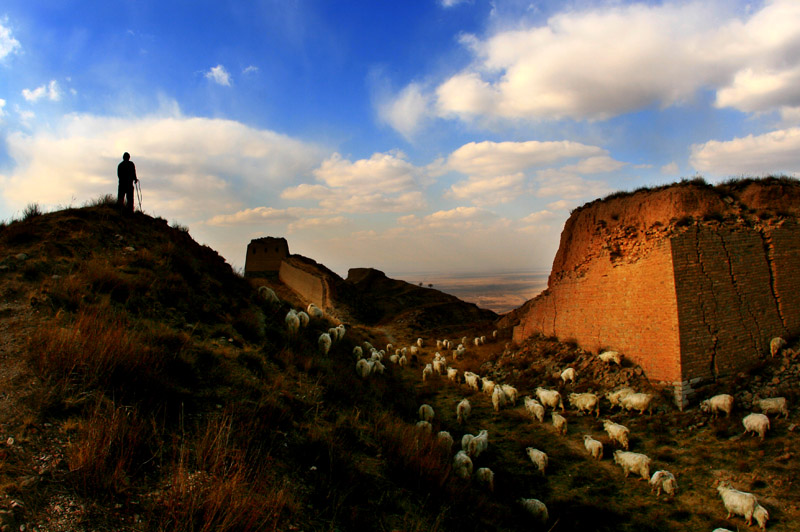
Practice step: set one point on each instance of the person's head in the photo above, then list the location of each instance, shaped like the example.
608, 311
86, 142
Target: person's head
126, 156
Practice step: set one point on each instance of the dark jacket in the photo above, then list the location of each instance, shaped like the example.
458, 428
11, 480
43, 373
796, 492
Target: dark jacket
126, 172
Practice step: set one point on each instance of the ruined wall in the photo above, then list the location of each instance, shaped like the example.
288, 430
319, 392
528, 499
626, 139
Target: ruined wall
631, 309
264, 255
311, 283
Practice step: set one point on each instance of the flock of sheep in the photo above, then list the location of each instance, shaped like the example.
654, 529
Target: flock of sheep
369, 361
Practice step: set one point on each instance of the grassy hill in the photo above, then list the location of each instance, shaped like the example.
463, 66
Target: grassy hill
144, 385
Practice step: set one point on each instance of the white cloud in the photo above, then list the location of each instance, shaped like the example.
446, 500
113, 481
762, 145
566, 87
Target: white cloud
451, 3
2, 106
190, 168
50, 91
494, 158
609, 59
597, 164
775, 152
670, 169
250, 69
489, 190
256, 215
540, 216
460, 218
313, 223
566, 185
386, 182
405, 111
219, 75
8, 44
561, 205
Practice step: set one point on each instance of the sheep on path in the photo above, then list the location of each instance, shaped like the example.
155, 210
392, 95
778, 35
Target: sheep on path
511, 393
775, 345
585, 402
462, 465
425, 426
472, 380
616, 396
663, 481
485, 476
611, 356
568, 375
638, 401
633, 463
719, 403
479, 444
772, 405
314, 311
324, 342
452, 374
536, 508
463, 410
539, 459
757, 424
488, 386
618, 433
560, 423
550, 398
499, 398
594, 447
426, 412
445, 440
535, 409
363, 368
742, 503
292, 322
427, 371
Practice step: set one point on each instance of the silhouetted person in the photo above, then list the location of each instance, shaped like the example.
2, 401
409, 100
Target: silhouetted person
126, 172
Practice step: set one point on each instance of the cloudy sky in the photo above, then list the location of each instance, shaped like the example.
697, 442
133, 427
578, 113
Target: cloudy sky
428, 135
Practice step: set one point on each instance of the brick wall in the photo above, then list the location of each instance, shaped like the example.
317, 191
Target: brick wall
628, 307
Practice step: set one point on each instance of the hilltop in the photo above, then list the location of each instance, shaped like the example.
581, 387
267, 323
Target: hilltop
145, 385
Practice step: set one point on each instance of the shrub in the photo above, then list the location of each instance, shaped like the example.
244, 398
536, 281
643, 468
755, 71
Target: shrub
31, 211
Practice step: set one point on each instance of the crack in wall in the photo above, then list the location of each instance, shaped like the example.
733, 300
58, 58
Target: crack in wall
703, 305
769, 254
743, 305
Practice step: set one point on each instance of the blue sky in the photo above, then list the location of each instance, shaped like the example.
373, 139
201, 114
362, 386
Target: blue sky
434, 135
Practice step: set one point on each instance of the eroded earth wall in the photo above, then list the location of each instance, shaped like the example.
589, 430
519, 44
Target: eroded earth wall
630, 308
305, 281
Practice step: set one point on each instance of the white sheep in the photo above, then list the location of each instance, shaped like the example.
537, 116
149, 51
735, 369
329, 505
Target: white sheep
719, 403
425, 426
535, 409
494, 334
304, 319
476, 341
358, 352
663, 480
439, 366
363, 368
549, 398
269, 295
633, 463
485, 476
616, 396
611, 356
462, 465
757, 424
463, 340
585, 402
775, 345
403, 362
314, 311
479, 444
324, 343
472, 380
413, 350
568, 375
389, 348
536, 508
419, 342
445, 440
333, 332
772, 405
292, 322
463, 410
459, 352
511, 393
594, 447
426, 413
742, 503
452, 374
483, 340
439, 345
377, 367
394, 359
638, 401
618, 433
499, 398
367, 346
488, 386
465, 439
539, 459
560, 423
427, 371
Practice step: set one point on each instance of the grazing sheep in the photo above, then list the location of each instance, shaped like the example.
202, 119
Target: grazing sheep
452, 374
499, 398
594, 447
439, 345
638, 401
472, 380
462, 465
549, 398
719, 403
394, 359
560, 423
633, 463
427, 372
314, 311
488, 386
367, 346
775, 345
403, 362
462, 411
485, 476
476, 341
615, 397
419, 343
324, 343
377, 367
511, 393
304, 319
463, 340
483, 340
721, 530
363, 368
742, 503
618, 433
772, 405
663, 480
425, 426
269, 295
445, 440
757, 424
568, 375
494, 334
611, 356
536, 508
539, 459
358, 352
292, 322
439, 366
535, 409
465, 439
414, 350
426, 413
459, 352
585, 402
479, 444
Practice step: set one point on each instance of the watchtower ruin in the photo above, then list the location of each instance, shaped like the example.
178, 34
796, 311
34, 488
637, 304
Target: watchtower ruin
265, 255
